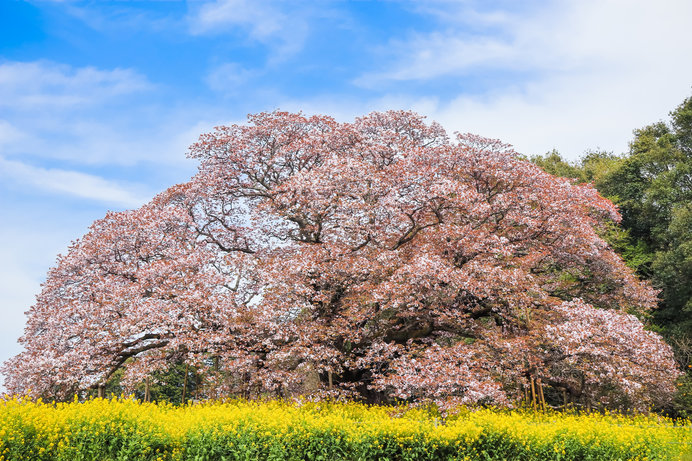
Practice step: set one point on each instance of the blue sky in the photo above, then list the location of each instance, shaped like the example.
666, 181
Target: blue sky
100, 99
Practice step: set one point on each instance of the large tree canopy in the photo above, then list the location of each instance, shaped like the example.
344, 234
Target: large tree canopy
374, 259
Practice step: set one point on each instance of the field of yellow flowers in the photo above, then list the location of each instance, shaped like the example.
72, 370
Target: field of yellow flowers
123, 429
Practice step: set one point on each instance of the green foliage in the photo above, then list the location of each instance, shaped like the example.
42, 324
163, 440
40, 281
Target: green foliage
597, 166
163, 386
636, 253
112, 386
168, 385
682, 403
553, 163
673, 270
663, 157
682, 124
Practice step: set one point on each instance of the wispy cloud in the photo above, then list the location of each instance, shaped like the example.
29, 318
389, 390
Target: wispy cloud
10, 134
262, 18
90, 116
559, 37
578, 75
229, 78
73, 183
27, 85
283, 25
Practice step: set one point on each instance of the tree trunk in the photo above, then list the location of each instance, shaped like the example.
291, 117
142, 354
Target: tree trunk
540, 393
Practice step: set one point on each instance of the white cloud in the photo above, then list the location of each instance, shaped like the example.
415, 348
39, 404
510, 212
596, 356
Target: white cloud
10, 134
117, 140
72, 183
261, 18
572, 113
282, 25
28, 85
561, 36
90, 116
228, 78
587, 73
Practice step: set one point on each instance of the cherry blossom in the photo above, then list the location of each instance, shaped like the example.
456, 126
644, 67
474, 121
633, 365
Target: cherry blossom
376, 259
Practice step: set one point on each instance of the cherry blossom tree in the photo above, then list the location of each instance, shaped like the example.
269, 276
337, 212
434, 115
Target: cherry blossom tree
376, 259
594, 350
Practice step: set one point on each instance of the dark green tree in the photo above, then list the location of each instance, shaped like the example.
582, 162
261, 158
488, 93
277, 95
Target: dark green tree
672, 269
661, 154
169, 385
553, 163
